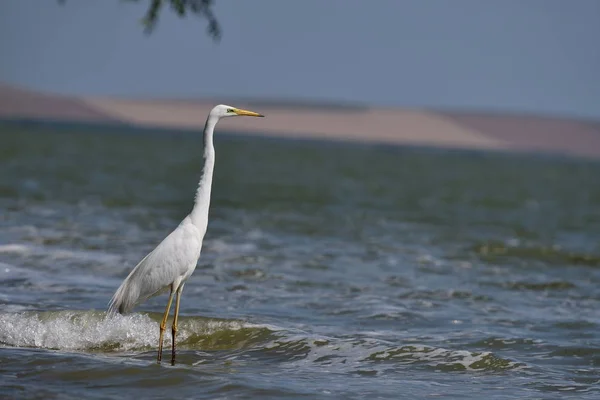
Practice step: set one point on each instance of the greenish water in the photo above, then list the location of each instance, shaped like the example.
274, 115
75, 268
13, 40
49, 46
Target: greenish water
328, 271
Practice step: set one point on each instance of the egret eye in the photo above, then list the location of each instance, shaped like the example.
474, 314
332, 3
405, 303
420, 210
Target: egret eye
230, 110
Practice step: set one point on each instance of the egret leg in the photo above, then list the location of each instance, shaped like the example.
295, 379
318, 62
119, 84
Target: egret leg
163, 326
174, 327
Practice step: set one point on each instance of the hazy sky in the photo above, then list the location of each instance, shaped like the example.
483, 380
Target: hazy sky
515, 55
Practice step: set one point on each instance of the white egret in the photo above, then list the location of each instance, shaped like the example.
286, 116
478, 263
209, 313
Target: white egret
171, 263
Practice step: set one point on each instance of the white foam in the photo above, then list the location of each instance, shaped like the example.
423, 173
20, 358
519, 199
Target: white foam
15, 248
55, 253
75, 331
89, 331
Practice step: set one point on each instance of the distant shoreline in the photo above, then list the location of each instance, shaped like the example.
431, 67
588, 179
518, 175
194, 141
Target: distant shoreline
59, 127
304, 120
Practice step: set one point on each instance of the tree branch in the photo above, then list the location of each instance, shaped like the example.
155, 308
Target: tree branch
200, 8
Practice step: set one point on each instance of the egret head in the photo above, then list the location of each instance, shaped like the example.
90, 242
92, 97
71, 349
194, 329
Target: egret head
223, 110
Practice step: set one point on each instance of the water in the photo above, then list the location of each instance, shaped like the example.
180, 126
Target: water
328, 271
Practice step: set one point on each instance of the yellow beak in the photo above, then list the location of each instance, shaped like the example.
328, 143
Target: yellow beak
247, 113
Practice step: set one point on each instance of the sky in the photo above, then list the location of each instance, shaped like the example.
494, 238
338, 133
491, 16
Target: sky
532, 56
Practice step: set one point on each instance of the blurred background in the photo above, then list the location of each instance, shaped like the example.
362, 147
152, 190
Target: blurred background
524, 61
418, 213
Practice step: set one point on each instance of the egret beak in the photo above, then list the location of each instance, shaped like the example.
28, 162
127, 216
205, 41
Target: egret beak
247, 113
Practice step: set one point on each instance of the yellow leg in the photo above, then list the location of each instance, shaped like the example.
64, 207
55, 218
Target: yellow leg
163, 326
174, 327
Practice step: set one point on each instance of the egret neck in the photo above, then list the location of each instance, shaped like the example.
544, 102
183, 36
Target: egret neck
199, 214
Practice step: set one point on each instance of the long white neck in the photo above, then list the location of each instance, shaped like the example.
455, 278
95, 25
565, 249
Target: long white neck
199, 214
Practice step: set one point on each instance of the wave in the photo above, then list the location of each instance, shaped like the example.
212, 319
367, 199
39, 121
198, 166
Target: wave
98, 332
550, 255
59, 254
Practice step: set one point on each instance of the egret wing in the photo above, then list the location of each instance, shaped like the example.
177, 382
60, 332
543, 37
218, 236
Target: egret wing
172, 261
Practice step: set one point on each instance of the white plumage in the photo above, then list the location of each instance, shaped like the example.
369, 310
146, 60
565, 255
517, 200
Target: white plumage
169, 264
173, 261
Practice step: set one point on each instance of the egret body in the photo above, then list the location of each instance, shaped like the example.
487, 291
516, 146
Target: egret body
171, 263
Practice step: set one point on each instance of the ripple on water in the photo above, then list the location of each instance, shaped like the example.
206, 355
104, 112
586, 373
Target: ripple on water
446, 360
549, 255
96, 332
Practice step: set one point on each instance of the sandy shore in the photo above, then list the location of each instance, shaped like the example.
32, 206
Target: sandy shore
382, 125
